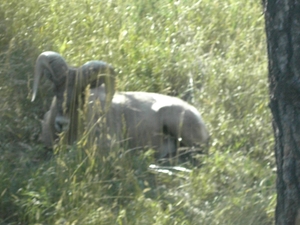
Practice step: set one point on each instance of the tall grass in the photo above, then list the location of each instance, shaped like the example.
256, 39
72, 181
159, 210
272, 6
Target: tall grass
155, 46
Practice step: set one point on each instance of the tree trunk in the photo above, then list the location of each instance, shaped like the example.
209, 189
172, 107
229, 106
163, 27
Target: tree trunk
283, 37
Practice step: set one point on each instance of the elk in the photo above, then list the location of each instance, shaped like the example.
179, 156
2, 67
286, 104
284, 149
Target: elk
139, 119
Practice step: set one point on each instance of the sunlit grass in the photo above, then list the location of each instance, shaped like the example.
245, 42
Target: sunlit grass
155, 46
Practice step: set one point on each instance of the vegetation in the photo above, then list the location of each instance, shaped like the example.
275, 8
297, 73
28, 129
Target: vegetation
156, 46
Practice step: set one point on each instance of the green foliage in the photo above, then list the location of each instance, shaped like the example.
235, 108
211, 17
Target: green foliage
155, 46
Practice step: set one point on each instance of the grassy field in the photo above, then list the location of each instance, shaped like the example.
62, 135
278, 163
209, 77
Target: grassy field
155, 46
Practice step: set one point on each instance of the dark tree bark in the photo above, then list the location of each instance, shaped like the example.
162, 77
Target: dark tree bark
283, 37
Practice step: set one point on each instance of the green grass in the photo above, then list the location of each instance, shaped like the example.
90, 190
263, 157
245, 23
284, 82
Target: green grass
155, 46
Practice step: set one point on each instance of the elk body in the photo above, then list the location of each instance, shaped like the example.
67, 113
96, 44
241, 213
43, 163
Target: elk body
134, 119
